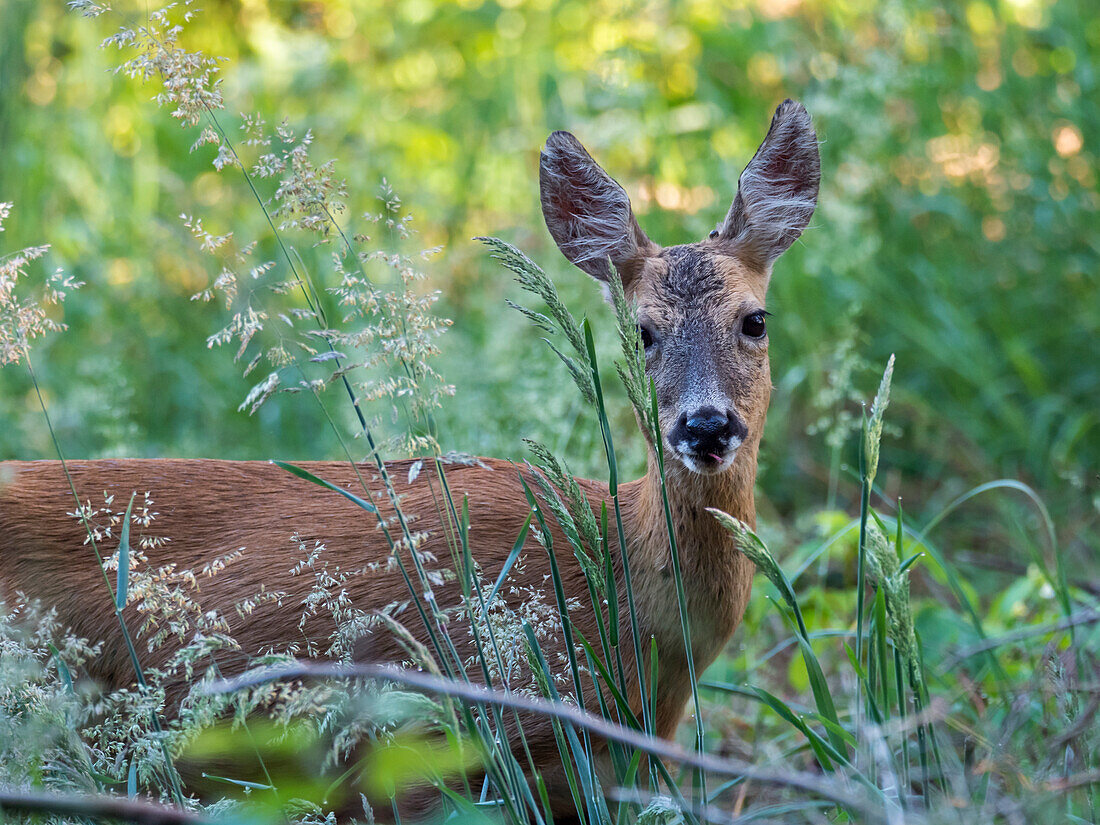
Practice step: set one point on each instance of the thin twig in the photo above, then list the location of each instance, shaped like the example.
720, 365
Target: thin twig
1078, 780
831, 790
98, 807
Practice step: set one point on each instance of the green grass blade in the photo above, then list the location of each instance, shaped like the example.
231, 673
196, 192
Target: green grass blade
899, 688
620, 700
544, 795
559, 593
822, 750
699, 777
593, 802
861, 563
823, 697
62, 669
310, 477
754, 548
226, 780
629, 779
605, 426
610, 588
517, 547
909, 562
122, 582
1059, 580
613, 490
654, 670
882, 669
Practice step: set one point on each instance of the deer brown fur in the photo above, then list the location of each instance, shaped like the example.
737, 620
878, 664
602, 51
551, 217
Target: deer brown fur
700, 307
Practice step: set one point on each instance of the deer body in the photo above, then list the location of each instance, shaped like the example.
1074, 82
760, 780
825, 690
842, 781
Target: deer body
208, 509
700, 310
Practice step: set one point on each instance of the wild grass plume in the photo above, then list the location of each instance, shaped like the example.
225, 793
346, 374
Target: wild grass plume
932, 664
25, 313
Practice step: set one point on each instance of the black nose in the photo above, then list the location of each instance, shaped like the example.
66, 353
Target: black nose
708, 430
708, 423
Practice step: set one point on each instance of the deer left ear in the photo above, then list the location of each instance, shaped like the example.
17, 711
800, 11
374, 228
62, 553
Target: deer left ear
777, 192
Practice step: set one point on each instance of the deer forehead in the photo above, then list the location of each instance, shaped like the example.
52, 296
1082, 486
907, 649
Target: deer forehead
696, 282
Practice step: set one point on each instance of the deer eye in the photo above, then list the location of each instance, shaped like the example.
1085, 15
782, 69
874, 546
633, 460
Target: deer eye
753, 325
647, 337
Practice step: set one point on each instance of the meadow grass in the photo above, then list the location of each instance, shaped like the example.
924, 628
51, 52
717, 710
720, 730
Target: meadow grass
903, 693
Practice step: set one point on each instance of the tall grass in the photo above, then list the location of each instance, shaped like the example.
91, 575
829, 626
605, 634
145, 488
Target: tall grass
862, 725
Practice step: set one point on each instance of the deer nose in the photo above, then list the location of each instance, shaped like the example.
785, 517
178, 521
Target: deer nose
709, 430
707, 424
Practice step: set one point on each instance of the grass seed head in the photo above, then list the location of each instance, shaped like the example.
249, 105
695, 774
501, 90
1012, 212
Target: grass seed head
874, 425
26, 314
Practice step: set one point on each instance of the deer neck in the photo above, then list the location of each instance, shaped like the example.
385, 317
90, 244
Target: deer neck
702, 543
716, 576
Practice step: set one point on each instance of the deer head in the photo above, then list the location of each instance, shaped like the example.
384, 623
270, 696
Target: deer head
700, 305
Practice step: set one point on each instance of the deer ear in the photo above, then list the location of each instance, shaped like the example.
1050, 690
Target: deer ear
588, 214
777, 192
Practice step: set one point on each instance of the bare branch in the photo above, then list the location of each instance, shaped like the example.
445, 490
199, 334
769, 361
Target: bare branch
140, 811
870, 810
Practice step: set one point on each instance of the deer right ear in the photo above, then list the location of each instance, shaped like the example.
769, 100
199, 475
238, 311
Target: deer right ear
588, 214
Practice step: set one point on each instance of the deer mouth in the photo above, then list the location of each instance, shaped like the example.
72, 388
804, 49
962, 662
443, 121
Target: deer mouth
706, 439
711, 462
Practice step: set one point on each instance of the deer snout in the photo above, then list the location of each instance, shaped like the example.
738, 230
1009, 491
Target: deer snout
707, 436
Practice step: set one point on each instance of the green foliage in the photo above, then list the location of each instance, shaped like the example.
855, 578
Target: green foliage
959, 195
956, 228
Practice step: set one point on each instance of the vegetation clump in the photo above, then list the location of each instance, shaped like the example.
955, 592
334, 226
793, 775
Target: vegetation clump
883, 679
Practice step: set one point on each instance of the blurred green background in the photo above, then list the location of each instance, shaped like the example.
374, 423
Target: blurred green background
957, 226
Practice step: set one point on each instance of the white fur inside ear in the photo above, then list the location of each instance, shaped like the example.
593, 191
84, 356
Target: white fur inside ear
777, 209
777, 192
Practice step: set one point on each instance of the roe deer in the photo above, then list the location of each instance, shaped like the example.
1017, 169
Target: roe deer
701, 312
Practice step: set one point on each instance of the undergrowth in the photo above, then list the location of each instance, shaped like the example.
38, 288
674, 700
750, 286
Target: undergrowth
897, 695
